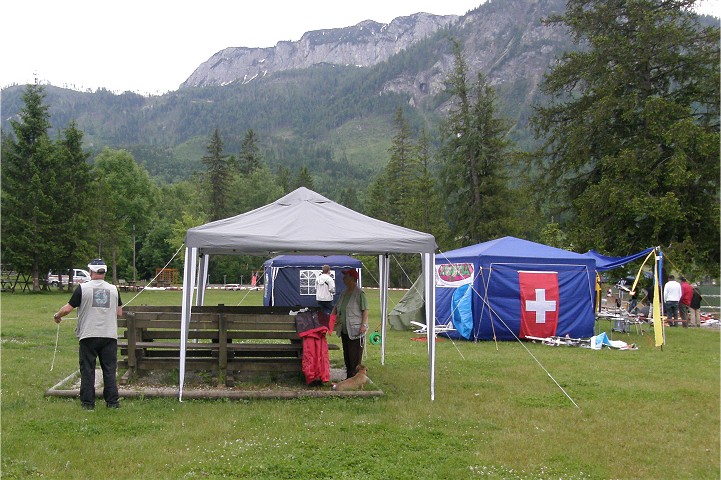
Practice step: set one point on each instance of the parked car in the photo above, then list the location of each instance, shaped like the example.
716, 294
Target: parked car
231, 286
79, 276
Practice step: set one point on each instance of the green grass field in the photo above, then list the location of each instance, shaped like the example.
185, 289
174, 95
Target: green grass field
647, 413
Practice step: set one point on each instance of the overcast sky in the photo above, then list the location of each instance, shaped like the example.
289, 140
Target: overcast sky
152, 46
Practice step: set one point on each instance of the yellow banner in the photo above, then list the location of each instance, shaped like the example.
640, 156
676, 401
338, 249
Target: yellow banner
657, 320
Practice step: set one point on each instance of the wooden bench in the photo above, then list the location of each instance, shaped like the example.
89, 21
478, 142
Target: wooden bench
229, 342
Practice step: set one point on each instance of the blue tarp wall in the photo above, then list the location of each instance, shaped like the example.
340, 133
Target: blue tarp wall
484, 279
290, 279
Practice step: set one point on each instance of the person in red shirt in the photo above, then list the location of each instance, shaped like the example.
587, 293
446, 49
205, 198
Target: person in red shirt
686, 296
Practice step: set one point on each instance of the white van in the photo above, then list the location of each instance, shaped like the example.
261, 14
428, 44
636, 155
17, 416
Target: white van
79, 276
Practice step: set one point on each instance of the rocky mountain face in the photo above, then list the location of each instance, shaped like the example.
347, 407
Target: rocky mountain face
363, 45
504, 39
328, 98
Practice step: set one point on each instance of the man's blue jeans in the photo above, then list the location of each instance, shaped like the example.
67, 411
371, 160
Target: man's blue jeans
672, 311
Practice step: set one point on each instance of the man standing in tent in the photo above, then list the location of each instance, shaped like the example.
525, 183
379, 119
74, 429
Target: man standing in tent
352, 325
671, 297
325, 289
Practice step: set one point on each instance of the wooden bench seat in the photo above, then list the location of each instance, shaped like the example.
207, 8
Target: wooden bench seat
228, 341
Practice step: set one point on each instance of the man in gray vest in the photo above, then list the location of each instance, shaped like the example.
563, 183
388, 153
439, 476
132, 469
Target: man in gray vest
99, 307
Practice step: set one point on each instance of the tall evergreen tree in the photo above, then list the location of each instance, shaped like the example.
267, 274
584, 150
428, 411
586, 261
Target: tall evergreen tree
250, 158
426, 209
283, 178
474, 159
73, 197
349, 198
304, 179
391, 195
632, 131
400, 172
28, 180
378, 194
218, 175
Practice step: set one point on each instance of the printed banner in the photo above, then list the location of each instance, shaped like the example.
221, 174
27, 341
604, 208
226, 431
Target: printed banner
539, 304
454, 274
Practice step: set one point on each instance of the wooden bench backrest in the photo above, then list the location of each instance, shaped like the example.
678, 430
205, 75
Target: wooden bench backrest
240, 322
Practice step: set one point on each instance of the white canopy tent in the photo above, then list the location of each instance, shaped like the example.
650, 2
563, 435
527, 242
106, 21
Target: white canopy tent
304, 222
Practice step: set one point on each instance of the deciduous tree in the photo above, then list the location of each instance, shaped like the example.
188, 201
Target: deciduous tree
125, 198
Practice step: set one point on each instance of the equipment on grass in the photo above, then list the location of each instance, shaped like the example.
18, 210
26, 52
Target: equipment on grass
423, 328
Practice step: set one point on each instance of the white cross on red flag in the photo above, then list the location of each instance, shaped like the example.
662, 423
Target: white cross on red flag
539, 304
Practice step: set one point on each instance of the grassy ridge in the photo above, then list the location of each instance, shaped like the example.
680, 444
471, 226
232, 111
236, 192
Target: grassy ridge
497, 414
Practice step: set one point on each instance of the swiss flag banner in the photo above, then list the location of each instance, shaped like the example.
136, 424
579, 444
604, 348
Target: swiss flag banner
539, 303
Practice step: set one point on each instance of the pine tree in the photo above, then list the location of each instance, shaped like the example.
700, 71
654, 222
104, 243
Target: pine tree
632, 131
283, 178
28, 175
474, 159
218, 175
426, 212
349, 198
249, 159
304, 179
73, 197
400, 172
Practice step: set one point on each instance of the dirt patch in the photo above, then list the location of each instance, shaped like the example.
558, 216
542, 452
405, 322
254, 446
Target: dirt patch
200, 385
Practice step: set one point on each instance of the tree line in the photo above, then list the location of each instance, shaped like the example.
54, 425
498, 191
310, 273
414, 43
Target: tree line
628, 159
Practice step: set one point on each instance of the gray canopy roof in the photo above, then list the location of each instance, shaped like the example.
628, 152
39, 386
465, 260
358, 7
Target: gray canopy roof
304, 221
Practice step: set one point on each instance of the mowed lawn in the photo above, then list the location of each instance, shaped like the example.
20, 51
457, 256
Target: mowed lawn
648, 413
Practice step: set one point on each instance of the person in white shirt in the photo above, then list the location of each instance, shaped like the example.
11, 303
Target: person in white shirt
671, 297
325, 289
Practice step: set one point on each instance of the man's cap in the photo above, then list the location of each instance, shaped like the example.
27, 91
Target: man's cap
97, 266
351, 271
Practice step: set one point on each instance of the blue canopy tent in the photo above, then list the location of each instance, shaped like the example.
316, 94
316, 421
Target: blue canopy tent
290, 279
509, 287
604, 263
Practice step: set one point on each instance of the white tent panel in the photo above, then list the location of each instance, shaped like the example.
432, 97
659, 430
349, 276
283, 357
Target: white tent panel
304, 222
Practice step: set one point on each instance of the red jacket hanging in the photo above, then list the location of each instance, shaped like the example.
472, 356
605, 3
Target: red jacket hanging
315, 363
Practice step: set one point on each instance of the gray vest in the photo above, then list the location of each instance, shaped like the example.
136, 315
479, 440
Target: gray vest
98, 311
353, 314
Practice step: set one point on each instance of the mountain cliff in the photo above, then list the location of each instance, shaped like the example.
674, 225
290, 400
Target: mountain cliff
326, 101
505, 39
362, 45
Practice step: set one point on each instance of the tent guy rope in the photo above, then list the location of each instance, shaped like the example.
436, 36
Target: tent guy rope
57, 333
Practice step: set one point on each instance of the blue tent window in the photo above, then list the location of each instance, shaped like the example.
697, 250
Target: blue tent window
307, 281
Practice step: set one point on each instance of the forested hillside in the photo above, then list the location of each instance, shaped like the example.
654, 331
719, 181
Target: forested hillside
495, 124
334, 117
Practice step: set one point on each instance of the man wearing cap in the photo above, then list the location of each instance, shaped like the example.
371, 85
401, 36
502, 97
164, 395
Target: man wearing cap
352, 313
99, 307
